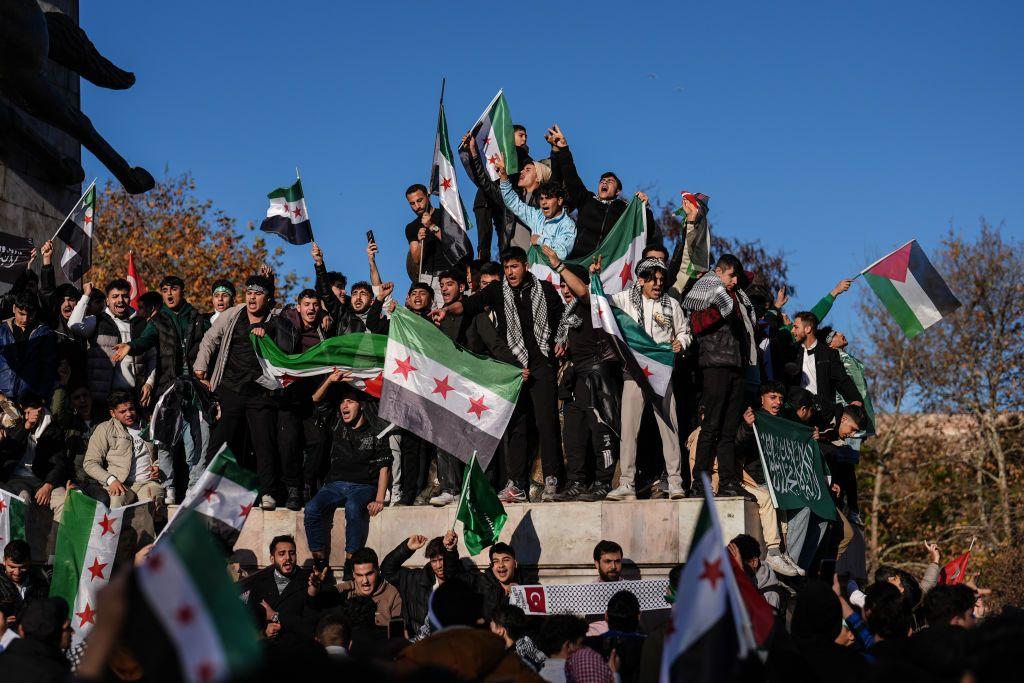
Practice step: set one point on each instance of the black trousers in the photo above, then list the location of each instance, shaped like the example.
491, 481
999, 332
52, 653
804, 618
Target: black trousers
591, 448
449, 471
253, 415
484, 230
416, 455
537, 408
302, 445
723, 408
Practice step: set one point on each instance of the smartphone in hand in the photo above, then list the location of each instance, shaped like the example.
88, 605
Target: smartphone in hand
369, 236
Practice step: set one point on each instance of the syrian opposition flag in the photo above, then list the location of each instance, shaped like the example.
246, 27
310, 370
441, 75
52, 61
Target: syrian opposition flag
84, 556
76, 233
620, 251
911, 288
183, 596
12, 518
454, 239
710, 632
287, 215
222, 497
361, 354
452, 398
138, 288
494, 137
647, 362
15, 253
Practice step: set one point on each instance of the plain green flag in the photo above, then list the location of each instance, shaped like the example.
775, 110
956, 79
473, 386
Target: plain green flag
481, 513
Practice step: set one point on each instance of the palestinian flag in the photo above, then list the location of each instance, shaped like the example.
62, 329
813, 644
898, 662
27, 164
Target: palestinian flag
480, 511
710, 632
12, 518
911, 288
76, 233
84, 556
646, 361
362, 354
183, 596
223, 497
696, 238
456, 400
620, 251
287, 215
494, 137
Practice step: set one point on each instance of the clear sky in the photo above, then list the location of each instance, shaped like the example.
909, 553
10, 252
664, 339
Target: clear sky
836, 131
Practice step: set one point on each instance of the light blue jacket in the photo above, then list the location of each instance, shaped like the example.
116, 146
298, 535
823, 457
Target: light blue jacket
559, 232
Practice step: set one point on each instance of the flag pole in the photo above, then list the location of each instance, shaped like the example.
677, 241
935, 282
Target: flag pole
973, 539
73, 209
462, 493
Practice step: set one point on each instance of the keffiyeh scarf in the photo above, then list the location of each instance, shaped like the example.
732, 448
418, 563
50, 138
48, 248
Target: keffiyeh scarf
710, 291
587, 598
570, 321
513, 326
663, 319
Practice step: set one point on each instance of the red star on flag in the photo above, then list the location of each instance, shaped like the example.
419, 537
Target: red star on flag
209, 492
87, 616
205, 672
647, 371
297, 211
446, 184
492, 159
185, 615
712, 572
287, 209
155, 563
96, 569
487, 140
442, 387
551, 278
477, 407
246, 509
403, 367
3, 505
107, 524
627, 273
88, 218
375, 385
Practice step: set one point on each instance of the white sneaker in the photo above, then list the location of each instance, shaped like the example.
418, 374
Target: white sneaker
792, 563
778, 564
268, 502
169, 497
676, 492
623, 492
444, 499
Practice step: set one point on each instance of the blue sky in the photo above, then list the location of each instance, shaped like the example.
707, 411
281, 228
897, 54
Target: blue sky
836, 132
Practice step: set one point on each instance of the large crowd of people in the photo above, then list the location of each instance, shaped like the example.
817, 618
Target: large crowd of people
82, 369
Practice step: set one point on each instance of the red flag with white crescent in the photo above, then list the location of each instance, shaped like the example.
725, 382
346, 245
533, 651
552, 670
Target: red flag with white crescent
138, 289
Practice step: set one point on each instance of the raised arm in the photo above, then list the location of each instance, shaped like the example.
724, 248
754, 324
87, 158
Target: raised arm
576, 285
81, 325
560, 155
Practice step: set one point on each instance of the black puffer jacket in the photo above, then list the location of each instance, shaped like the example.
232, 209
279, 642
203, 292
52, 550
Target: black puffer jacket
50, 463
416, 585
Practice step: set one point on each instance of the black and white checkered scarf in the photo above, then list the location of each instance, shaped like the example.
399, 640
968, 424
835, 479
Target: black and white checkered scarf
636, 295
513, 327
710, 291
570, 321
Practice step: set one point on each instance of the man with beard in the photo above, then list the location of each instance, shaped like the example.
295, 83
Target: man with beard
286, 592
175, 332
244, 393
608, 561
528, 314
591, 416
427, 256
117, 324
359, 311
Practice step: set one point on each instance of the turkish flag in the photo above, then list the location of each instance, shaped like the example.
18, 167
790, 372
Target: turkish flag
138, 289
955, 572
536, 600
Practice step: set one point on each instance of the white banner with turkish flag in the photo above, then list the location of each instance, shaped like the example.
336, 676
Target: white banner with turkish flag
587, 598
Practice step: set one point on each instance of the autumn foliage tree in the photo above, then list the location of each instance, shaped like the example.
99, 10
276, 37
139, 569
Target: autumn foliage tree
173, 232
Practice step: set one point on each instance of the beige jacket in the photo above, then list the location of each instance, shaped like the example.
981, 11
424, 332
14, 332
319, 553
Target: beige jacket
219, 337
110, 452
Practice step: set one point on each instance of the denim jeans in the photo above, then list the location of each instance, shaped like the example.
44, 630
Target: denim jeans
355, 498
195, 437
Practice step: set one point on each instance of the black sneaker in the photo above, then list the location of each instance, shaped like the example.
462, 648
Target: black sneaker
294, 502
732, 490
597, 491
571, 492
696, 490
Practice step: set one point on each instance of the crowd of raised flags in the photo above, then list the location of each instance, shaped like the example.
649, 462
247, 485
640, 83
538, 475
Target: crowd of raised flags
460, 403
